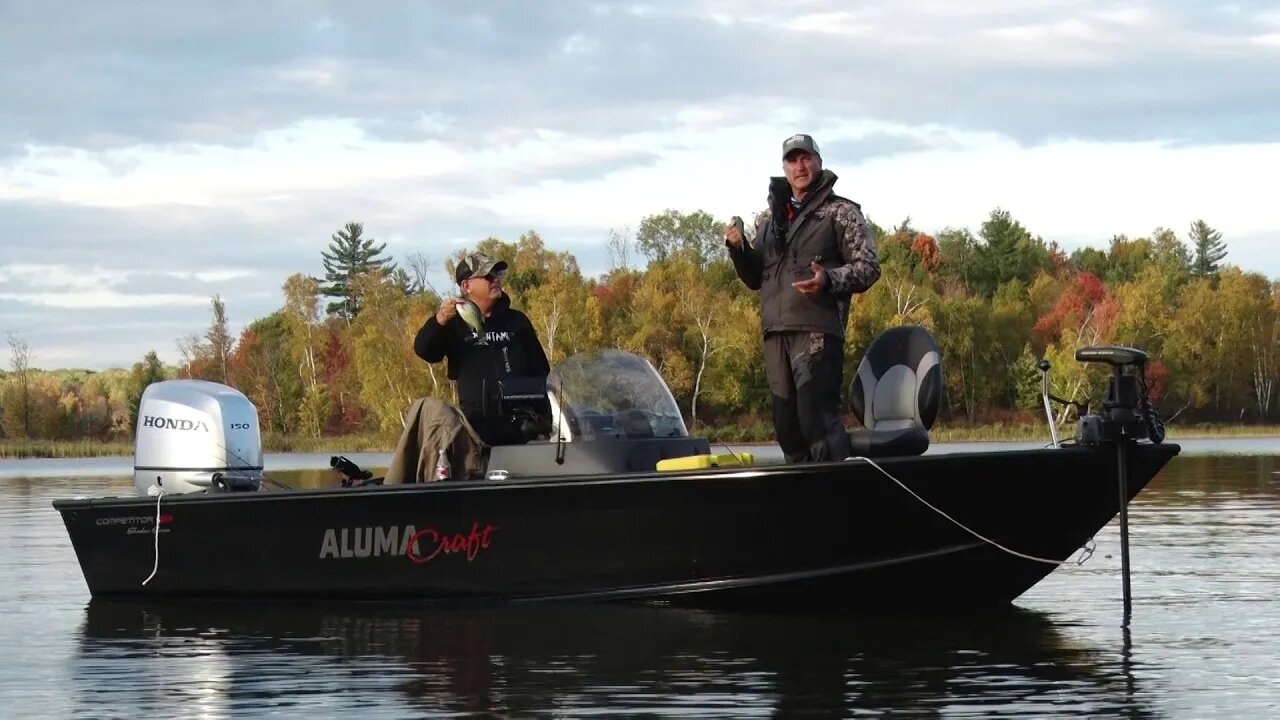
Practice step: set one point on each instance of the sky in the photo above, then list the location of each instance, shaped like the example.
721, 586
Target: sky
154, 154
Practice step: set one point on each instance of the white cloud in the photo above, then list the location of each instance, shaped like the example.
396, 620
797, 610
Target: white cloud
99, 299
849, 23
307, 157
214, 276
59, 277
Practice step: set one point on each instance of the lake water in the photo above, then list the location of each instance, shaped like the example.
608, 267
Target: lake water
1204, 640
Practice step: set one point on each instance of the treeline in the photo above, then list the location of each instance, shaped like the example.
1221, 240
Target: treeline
336, 358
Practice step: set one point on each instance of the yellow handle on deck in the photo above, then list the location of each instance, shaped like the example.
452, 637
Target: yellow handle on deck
702, 462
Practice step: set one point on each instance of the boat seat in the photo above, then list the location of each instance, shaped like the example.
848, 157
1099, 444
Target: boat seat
896, 392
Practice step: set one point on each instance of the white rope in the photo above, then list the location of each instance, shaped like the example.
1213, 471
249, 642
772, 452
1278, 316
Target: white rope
155, 567
984, 539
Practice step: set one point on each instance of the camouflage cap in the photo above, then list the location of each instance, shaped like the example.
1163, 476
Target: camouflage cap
478, 265
800, 142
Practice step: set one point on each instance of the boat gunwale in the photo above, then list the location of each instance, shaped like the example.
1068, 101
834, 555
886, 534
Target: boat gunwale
727, 472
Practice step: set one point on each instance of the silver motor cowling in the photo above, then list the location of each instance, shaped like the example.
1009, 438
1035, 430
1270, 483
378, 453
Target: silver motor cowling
196, 436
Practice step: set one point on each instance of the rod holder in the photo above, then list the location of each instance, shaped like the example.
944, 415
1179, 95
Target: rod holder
1044, 395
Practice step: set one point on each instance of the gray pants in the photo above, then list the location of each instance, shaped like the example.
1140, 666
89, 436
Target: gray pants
805, 372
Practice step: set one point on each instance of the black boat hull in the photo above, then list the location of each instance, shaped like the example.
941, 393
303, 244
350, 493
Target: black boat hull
827, 534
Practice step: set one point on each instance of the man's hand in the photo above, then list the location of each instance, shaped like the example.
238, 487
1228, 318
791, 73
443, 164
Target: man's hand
733, 232
448, 311
815, 284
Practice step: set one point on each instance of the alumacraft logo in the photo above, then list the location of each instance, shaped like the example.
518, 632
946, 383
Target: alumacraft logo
164, 423
420, 546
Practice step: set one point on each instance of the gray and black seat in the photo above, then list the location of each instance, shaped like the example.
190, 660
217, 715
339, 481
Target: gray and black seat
896, 393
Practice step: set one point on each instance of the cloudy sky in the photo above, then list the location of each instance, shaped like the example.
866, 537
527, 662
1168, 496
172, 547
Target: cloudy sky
153, 154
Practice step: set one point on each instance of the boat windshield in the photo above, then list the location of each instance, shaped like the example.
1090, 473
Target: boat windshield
612, 394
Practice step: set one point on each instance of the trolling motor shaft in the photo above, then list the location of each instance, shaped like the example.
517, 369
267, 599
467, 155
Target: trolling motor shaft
1127, 416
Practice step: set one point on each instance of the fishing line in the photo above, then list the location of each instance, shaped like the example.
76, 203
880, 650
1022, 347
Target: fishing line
737, 460
266, 477
1085, 555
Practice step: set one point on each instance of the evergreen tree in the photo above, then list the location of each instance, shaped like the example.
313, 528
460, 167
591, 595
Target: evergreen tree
405, 283
1208, 247
144, 373
350, 254
1008, 252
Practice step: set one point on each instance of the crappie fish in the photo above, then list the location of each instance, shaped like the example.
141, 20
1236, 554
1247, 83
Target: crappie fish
470, 314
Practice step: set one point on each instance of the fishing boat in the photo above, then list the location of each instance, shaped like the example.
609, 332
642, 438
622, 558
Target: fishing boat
618, 502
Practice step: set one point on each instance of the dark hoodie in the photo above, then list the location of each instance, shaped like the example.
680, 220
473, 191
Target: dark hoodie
508, 348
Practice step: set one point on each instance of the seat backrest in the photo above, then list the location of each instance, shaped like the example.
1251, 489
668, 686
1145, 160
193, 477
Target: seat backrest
899, 382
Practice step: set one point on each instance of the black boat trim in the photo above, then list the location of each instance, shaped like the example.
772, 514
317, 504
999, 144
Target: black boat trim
733, 583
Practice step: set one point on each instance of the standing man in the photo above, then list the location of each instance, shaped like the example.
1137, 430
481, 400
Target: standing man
812, 251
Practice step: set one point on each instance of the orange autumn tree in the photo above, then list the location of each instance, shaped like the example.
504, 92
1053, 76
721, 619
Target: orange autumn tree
1084, 314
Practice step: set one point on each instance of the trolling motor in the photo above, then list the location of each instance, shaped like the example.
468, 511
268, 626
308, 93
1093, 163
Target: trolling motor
1127, 411
1127, 416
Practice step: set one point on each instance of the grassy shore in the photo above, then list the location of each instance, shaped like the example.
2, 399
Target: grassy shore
273, 442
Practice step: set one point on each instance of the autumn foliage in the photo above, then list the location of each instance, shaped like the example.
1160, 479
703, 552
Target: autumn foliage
998, 301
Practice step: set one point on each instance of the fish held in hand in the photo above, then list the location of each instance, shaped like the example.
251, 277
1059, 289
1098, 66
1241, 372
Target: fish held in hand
470, 314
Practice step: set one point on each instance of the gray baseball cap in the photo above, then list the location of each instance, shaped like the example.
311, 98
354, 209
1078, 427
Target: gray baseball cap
800, 142
478, 265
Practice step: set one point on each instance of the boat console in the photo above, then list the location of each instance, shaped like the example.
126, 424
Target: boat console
603, 412
522, 401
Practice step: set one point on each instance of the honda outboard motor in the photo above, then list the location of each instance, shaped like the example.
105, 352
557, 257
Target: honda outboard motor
196, 436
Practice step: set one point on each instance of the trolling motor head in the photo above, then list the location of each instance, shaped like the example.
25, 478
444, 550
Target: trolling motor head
1126, 411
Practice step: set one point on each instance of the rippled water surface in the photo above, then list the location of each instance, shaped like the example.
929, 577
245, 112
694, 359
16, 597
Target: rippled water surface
1204, 640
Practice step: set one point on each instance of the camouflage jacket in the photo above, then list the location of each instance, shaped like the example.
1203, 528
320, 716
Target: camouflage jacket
827, 228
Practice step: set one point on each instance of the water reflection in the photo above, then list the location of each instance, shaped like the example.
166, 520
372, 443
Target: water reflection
564, 659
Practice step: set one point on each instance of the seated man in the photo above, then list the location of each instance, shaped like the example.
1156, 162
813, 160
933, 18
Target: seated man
507, 348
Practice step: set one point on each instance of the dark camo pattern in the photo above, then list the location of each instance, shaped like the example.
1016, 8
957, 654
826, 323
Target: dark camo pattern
861, 267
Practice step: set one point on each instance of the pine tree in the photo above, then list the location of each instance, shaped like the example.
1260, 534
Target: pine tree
150, 370
350, 254
1208, 247
1009, 252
